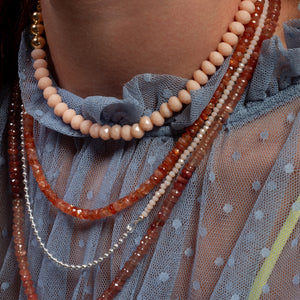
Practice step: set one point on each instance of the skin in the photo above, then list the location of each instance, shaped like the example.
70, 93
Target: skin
97, 46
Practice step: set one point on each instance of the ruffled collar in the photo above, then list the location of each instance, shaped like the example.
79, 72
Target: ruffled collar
278, 69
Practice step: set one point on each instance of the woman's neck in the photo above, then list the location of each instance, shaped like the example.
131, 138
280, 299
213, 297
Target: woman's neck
97, 46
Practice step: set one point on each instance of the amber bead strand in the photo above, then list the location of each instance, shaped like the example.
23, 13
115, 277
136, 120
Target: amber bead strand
15, 167
158, 175
155, 228
119, 205
15, 174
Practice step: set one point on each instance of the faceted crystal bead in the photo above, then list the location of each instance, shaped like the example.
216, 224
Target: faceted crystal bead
30, 290
27, 283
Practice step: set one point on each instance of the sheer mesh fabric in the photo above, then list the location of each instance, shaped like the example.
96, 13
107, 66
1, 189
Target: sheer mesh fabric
223, 227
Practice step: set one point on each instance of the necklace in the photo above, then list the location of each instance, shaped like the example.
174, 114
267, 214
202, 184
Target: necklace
146, 123
174, 160
239, 74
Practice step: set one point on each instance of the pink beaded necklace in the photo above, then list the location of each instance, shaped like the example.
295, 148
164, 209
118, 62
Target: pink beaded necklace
213, 117
175, 103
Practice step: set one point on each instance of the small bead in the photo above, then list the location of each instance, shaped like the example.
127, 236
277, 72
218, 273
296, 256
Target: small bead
228, 109
152, 202
192, 85
60, 108
236, 28
203, 131
234, 78
104, 132
144, 214
44, 82
38, 42
225, 49
243, 17
200, 77
216, 58
226, 91
169, 178
155, 198
247, 56
253, 42
224, 97
77, 121
68, 115
85, 126
126, 133
244, 60
208, 67
190, 148
37, 17
147, 209
53, 100
37, 29
248, 6
40, 63
230, 38
172, 174
136, 131
40, 73
49, 91
165, 111
175, 104
184, 96
94, 131
229, 88
149, 206
194, 144
146, 123
115, 132
38, 54
157, 119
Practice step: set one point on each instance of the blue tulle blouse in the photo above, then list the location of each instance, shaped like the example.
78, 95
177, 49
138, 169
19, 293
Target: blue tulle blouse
220, 232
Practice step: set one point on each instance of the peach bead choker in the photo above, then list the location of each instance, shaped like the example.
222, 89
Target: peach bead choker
174, 104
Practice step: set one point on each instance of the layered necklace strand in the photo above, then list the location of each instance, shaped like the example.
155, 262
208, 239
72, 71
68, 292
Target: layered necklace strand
175, 103
225, 99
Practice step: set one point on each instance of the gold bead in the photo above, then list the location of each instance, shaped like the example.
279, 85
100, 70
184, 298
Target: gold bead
37, 29
37, 17
38, 6
38, 42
